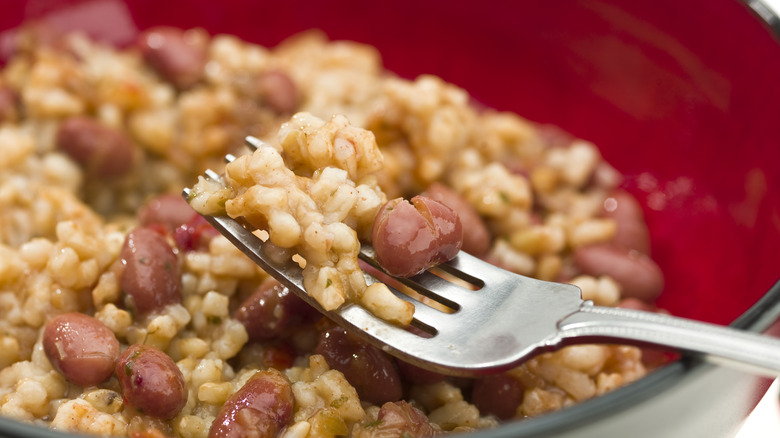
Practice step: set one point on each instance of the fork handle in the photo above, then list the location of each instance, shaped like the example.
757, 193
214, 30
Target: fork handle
739, 349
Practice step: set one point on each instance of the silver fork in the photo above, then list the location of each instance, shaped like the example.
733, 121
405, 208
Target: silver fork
507, 319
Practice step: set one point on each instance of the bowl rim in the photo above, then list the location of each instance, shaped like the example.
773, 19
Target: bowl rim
757, 318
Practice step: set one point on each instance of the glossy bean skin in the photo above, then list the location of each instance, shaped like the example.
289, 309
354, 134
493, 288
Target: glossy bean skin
412, 237
278, 91
272, 311
416, 375
476, 236
80, 347
637, 274
632, 232
151, 382
262, 408
370, 370
195, 234
279, 355
497, 394
174, 56
151, 279
169, 210
101, 150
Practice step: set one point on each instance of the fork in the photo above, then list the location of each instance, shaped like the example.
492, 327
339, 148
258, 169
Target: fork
508, 318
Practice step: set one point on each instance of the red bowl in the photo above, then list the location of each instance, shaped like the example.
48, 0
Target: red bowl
682, 97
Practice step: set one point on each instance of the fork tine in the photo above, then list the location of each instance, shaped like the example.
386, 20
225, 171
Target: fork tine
472, 270
440, 290
427, 284
289, 275
212, 175
446, 340
254, 143
423, 313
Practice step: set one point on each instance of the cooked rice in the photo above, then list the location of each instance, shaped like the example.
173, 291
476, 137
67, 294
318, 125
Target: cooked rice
362, 136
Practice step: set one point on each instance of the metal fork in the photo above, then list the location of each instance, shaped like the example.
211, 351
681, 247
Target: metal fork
507, 319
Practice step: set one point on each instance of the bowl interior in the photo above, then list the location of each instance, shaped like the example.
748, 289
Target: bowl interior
682, 97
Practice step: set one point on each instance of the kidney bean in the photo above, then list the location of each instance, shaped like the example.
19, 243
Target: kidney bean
178, 59
411, 237
370, 370
272, 311
151, 382
281, 356
150, 280
401, 419
476, 237
262, 408
637, 274
102, 151
418, 376
497, 394
278, 91
632, 231
195, 234
80, 347
170, 210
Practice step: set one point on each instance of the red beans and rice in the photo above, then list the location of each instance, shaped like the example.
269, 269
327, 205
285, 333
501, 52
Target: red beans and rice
123, 313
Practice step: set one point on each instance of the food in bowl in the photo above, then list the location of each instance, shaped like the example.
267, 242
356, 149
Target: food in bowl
99, 249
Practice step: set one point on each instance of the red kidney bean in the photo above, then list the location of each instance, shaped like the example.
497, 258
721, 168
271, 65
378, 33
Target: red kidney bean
637, 273
272, 311
102, 151
151, 382
281, 356
632, 231
370, 370
401, 419
195, 234
411, 237
497, 394
80, 347
178, 59
418, 376
278, 90
476, 237
170, 210
8, 102
262, 408
151, 279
